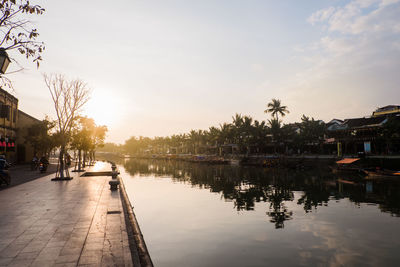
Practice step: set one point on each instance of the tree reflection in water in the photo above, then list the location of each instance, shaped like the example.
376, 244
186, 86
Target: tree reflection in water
245, 186
278, 211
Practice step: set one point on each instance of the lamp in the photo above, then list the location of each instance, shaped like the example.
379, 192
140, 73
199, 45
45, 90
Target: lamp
4, 60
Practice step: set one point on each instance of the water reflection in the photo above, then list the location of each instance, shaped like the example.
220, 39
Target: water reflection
245, 186
322, 219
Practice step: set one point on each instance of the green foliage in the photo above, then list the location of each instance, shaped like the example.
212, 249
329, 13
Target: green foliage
243, 131
275, 128
137, 145
251, 136
311, 131
111, 148
276, 109
82, 134
86, 135
99, 135
39, 137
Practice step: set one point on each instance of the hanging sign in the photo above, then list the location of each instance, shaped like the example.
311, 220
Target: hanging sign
367, 147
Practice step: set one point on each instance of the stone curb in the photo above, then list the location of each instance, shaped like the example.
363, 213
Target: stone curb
144, 256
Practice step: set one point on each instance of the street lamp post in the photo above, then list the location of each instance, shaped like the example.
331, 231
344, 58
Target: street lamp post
4, 60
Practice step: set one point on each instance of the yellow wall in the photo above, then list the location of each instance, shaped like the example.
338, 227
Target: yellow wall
8, 125
24, 122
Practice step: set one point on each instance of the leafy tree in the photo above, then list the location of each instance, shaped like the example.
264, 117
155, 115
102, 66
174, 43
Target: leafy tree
213, 138
311, 131
259, 138
212, 135
226, 133
289, 134
196, 140
111, 148
137, 145
98, 138
39, 137
81, 138
17, 32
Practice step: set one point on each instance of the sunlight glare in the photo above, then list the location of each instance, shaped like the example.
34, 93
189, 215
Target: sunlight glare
98, 166
103, 108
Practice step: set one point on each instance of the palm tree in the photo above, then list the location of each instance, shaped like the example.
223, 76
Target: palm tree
275, 126
213, 134
276, 109
226, 133
275, 129
237, 120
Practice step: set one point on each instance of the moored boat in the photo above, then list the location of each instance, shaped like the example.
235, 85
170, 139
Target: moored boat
378, 173
348, 165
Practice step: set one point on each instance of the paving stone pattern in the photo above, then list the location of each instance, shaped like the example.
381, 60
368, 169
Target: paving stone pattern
63, 223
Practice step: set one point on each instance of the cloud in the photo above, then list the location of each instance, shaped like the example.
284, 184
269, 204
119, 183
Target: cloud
356, 17
388, 2
321, 15
353, 67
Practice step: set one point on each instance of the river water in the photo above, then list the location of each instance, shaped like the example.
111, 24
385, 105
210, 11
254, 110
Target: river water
202, 215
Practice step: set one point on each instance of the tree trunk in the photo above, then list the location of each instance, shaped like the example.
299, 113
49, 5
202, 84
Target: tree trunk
79, 160
61, 162
84, 159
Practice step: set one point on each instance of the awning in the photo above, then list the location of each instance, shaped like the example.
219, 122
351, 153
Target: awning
330, 141
347, 160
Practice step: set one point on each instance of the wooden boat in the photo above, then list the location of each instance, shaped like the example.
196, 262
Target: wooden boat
347, 165
377, 173
343, 181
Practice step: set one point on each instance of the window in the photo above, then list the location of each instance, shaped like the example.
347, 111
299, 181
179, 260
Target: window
5, 111
15, 114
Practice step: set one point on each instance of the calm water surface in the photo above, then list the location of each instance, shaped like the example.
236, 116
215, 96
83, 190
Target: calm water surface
201, 215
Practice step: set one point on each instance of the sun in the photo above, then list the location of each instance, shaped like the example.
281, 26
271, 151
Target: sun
103, 108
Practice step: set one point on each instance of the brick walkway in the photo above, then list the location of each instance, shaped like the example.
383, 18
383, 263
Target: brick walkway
68, 223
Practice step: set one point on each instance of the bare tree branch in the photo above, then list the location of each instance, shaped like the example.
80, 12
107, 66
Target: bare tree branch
68, 97
16, 32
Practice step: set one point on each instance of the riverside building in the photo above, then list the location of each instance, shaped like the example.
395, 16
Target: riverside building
8, 124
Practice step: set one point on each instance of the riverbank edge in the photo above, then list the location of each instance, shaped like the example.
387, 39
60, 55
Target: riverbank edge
139, 252
280, 161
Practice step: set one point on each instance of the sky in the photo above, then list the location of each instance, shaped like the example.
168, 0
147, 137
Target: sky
163, 67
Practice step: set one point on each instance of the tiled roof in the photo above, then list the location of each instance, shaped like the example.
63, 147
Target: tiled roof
365, 122
389, 107
358, 123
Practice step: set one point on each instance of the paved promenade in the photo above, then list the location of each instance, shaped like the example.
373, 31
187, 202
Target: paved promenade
64, 223
22, 173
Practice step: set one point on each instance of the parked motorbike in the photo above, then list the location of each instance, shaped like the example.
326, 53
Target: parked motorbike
34, 164
5, 177
42, 167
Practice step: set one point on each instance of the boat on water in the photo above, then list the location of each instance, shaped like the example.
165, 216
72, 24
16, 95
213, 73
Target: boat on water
345, 181
378, 173
348, 165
